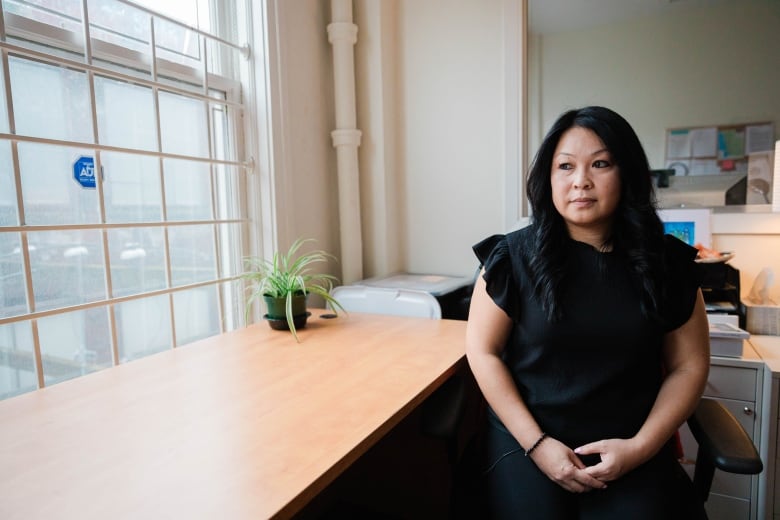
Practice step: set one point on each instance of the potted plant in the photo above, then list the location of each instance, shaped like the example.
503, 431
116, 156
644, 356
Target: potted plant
284, 282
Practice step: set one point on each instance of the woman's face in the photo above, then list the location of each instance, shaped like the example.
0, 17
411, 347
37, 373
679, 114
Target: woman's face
585, 185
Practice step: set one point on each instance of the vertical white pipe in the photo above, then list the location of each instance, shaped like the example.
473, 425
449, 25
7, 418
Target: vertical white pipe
342, 34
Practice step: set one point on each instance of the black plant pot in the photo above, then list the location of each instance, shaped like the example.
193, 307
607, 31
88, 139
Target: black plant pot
277, 316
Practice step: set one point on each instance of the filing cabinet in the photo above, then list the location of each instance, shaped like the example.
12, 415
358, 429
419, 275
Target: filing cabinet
738, 385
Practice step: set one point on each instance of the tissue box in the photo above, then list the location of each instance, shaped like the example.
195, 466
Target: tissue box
726, 339
762, 319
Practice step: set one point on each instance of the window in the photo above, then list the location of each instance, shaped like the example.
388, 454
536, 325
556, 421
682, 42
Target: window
122, 182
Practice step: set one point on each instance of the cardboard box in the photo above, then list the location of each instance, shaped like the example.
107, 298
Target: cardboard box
726, 339
762, 319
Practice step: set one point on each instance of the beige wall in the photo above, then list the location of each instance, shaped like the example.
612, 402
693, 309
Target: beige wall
304, 161
430, 94
450, 130
705, 66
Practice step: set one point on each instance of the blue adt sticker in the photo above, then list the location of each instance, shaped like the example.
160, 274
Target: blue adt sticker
84, 171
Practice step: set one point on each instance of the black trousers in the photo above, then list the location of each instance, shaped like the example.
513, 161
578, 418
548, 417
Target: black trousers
511, 486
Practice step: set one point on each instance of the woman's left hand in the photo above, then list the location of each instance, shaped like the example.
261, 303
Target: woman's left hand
618, 457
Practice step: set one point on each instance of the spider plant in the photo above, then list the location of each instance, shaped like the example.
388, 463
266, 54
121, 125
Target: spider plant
287, 275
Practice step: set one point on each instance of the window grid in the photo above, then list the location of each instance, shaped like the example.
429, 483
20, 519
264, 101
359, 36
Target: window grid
211, 84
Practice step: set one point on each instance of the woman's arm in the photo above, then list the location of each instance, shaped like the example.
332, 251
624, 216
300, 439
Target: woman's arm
486, 334
686, 357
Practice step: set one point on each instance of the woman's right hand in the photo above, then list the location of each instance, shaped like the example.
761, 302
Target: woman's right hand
564, 467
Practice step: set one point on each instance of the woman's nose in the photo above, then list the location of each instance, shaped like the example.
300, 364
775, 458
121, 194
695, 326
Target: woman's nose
582, 179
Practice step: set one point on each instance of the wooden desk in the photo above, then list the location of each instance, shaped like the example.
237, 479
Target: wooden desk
244, 425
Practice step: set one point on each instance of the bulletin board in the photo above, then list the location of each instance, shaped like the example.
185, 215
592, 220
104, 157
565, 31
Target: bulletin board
711, 150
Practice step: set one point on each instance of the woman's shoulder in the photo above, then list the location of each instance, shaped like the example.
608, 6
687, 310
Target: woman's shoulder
677, 250
521, 239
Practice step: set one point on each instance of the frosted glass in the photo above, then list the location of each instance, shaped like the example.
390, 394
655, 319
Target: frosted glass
17, 365
51, 102
8, 213
183, 125
67, 267
143, 327
187, 190
13, 299
137, 262
120, 24
51, 193
196, 314
125, 114
3, 110
74, 344
131, 188
192, 254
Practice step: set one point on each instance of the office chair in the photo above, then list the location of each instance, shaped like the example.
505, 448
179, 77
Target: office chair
723, 444
442, 411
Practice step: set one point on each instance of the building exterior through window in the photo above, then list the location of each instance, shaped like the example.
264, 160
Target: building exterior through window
122, 182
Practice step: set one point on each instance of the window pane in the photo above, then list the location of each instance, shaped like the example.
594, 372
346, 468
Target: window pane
17, 367
187, 190
137, 262
223, 60
196, 314
229, 243
125, 114
51, 193
190, 12
13, 299
120, 24
220, 133
67, 268
131, 187
8, 214
232, 304
50, 101
177, 44
183, 125
3, 108
192, 254
64, 14
228, 188
74, 344
143, 327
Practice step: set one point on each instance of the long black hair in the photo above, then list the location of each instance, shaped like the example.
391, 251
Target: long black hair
637, 232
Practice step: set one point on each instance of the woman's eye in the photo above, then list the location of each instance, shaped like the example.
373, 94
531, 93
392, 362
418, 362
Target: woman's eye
565, 166
601, 164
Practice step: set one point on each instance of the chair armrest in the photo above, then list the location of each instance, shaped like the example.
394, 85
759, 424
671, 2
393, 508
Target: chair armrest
722, 438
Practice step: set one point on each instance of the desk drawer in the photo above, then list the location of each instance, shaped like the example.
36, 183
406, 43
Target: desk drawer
732, 383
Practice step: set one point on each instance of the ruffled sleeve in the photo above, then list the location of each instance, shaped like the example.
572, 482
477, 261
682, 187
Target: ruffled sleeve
493, 254
683, 281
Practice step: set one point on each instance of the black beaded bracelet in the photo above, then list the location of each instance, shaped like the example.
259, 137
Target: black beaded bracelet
536, 444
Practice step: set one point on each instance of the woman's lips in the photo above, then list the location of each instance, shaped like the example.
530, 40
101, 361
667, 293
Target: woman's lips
583, 201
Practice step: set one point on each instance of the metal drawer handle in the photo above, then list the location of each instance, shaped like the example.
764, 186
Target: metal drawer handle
747, 411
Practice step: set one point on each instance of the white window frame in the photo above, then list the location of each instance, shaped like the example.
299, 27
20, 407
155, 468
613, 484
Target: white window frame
245, 134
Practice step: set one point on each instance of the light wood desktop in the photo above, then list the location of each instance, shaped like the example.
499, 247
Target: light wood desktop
248, 424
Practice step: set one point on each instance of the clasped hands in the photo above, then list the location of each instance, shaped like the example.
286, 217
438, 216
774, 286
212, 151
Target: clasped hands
564, 466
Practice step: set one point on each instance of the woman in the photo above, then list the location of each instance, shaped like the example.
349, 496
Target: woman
587, 336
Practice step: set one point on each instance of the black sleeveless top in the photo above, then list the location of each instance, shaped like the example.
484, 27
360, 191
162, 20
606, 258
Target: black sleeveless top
595, 373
